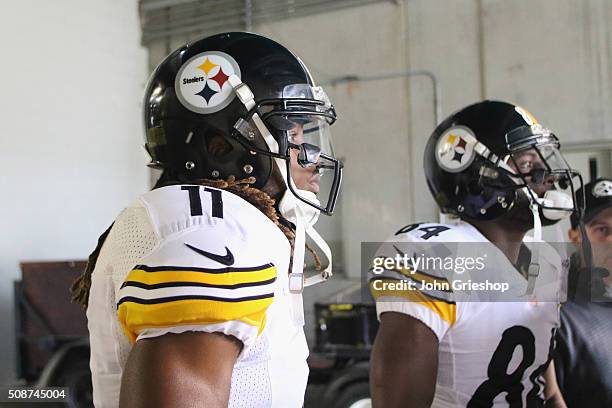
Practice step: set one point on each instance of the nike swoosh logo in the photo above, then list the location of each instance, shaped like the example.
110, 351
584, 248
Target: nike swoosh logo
227, 259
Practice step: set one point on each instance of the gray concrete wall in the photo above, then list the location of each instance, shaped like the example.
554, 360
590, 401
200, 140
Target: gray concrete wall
72, 74
555, 57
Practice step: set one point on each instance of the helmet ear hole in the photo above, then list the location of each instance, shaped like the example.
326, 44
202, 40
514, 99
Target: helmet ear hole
217, 145
474, 187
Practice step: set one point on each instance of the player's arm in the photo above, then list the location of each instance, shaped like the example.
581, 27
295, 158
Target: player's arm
404, 360
180, 370
552, 392
404, 363
188, 318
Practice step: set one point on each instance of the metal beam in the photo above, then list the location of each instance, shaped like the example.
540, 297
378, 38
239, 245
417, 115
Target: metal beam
166, 18
161, 4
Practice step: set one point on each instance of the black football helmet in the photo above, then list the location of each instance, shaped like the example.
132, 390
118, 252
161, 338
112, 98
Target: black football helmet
225, 106
480, 158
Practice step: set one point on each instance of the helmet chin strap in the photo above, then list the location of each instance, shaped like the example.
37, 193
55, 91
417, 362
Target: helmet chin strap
309, 216
304, 216
534, 266
326, 273
554, 198
551, 198
300, 214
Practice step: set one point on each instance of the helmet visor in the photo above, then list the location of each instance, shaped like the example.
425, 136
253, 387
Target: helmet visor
301, 118
310, 98
312, 165
540, 166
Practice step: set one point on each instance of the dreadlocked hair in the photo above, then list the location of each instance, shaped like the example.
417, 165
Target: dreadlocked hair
242, 188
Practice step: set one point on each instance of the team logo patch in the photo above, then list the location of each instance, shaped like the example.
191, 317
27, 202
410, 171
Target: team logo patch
455, 149
527, 116
602, 189
202, 82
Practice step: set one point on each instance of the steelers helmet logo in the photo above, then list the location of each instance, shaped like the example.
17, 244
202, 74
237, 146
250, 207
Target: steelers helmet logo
602, 189
526, 115
202, 83
455, 149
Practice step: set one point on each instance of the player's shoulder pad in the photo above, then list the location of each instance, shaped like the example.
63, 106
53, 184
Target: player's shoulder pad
214, 268
177, 208
198, 282
437, 232
556, 255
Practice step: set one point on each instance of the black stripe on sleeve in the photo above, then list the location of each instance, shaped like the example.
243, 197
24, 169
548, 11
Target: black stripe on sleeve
169, 268
198, 284
187, 297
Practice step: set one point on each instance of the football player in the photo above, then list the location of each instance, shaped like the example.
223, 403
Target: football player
193, 295
582, 365
499, 171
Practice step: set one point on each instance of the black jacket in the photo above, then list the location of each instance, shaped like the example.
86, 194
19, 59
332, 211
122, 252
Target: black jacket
583, 356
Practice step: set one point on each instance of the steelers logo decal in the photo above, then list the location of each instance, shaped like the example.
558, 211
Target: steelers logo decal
527, 116
202, 82
602, 189
455, 149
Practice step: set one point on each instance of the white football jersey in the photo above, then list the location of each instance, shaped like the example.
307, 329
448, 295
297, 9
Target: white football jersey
194, 258
491, 353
